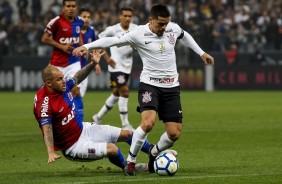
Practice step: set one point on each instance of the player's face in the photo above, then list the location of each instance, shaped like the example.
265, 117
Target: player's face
86, 17
58, 82
125, 19
69, 9
158, 25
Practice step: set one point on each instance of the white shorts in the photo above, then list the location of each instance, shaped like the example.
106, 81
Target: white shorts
70, 70
83, 87
92, 143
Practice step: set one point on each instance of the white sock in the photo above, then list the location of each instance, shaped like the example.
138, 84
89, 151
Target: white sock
138, 140
123, 110
163, 144
110, 102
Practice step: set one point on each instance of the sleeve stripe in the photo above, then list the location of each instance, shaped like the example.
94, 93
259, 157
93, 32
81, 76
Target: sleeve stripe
45, 121
181, 35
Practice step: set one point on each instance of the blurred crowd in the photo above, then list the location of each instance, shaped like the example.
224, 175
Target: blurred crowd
217, 25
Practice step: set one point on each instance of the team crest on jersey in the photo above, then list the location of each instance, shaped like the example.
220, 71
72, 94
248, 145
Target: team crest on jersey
77, 29
147, 97
120, 79
171, 39
162, 47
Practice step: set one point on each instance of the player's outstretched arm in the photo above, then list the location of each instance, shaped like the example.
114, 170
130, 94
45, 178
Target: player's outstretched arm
47, 131
84, 72
101, 43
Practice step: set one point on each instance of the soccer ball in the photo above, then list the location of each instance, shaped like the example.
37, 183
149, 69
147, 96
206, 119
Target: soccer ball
166, 164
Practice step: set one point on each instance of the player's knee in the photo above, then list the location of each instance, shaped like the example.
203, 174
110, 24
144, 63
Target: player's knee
112, 150
124, 135
147, 125
174, 135
124, 91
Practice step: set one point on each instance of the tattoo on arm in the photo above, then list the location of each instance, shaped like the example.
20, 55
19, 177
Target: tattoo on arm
48, 137
83, 73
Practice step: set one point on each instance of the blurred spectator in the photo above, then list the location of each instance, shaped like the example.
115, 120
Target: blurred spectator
35, 9
6, 13
258, 58
214, 23
22, 8
232, 55
56, 7
3, 42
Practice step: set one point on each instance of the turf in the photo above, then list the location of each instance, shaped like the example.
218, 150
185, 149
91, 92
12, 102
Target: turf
227, 137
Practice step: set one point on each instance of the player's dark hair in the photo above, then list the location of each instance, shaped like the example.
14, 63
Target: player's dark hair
84, 10
126, 8
159, 10
64, 1
47, 73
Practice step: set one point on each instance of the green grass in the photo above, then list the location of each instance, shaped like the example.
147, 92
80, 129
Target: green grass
227, 137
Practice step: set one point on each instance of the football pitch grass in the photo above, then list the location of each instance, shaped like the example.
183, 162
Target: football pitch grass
227, 137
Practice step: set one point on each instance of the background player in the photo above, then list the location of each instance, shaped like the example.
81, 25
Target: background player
63, 130
88, 36
122, 57
159, 90
63, 34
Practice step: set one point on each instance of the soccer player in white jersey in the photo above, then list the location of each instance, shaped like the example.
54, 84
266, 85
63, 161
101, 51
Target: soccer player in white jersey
159, 91
122, 57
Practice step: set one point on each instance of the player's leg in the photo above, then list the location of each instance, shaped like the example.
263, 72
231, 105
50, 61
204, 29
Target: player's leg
115, 156
77, 99
170, 112
109, 103
148, 101
126, 136
123, 106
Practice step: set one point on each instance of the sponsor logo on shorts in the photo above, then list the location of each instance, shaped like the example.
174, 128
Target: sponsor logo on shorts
91, 151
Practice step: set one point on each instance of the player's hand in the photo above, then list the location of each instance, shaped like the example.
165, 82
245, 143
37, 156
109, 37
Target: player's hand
111, 62
207, 59
67, 48
52, 157
96, 56
79, 51
97, 69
